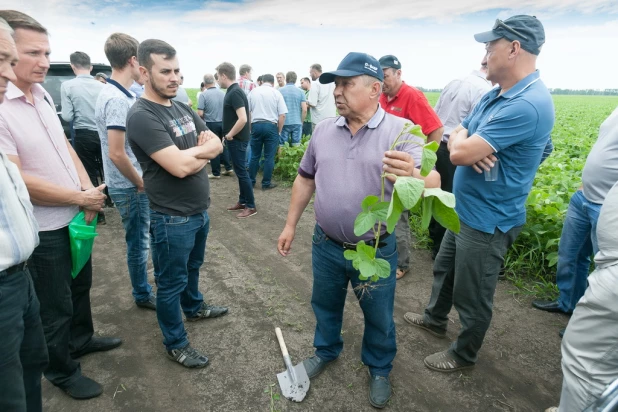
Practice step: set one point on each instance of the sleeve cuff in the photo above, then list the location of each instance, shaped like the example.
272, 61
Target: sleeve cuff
305, 174
489, 142
122, 128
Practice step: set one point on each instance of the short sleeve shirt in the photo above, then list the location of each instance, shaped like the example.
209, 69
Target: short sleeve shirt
294, 97
410, 103
111, 112
347, 167
517, 125
211, 103
152, 127
235, 98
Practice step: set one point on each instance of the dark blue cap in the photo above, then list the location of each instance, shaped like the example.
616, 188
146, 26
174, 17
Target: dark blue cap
528, 30
355, 64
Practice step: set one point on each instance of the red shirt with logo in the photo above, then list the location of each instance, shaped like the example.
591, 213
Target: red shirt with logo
410, 103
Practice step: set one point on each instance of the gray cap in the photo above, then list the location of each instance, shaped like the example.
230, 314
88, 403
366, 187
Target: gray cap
528, 30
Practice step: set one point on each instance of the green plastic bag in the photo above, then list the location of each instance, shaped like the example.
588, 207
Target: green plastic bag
81, 235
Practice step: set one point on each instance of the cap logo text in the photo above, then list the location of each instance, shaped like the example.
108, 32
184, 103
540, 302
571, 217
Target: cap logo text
370, 67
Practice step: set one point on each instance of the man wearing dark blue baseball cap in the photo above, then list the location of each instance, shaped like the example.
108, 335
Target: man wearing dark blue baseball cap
506, 134
343, 163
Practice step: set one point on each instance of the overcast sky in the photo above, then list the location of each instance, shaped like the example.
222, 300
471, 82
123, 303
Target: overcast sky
432, 38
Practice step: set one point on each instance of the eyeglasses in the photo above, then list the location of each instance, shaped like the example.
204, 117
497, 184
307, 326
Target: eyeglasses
500, 23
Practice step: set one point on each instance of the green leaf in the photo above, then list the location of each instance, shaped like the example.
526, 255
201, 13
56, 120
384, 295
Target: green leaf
364, 222
409, 190
426, 216
433, 146
380, 210
447, 199
446, 216
367, 268
383, 268
428, 161
417, 131
368, 201
353, 256
394, 212
365, 251
374, 278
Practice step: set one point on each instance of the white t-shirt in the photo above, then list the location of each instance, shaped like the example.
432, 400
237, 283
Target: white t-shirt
322, 101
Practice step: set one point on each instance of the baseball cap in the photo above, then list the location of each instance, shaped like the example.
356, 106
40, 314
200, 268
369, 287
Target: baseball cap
355, 64
390, 62
528, 30
102, 75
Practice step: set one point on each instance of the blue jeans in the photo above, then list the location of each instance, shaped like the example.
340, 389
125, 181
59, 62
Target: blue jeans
578, 242
292, 134
135, 213
65, 305
23, 353
178, 247
331, 275
264, 137
215, 164
238, 154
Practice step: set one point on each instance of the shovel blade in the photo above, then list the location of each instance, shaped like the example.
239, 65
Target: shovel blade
294, 389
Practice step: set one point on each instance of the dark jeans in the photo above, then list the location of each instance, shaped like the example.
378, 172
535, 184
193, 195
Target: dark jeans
291, 134
465, 275
65, 304
88, 148
447, 173
264, 137
215, 164
178, 248
238, 154
331, 275
23, 354
134, 210
307, 129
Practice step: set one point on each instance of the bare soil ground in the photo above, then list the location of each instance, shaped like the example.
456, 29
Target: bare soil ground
518, 369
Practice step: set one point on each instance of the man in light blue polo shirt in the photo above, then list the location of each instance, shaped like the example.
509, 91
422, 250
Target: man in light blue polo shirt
297, 111
506, 134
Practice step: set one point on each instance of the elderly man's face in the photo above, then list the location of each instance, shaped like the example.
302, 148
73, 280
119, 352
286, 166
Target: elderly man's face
33, 51
496, 60
280, 80
392, 81
314, 74
8, 58
352, 95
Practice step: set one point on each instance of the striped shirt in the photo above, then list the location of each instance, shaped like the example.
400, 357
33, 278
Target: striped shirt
246, 84
18, 227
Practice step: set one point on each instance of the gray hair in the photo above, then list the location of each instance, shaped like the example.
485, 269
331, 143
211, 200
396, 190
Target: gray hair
5, 26
209, 79
369, 80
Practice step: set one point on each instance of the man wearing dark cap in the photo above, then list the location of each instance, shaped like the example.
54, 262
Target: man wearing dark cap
403, 100
343, 163
505, 134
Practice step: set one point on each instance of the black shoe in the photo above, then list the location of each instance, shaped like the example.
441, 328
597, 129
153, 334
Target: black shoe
97, 345
188, 357
547, 306
561, 333
270, 186
84, 388
207, 312
379, 391
151, 303
314, 366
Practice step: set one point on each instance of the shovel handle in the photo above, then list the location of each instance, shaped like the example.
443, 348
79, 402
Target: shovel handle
284, 349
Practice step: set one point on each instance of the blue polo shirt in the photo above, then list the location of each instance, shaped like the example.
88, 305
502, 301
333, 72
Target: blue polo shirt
517, 125
293, 97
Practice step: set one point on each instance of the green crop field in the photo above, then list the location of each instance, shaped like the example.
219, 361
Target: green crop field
531, 263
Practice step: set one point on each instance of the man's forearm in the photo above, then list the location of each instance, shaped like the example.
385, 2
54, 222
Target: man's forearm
124, 165
84, 179
436, 135
238, 126
209, 150
302, 191
431, 180
280, 123
45, 193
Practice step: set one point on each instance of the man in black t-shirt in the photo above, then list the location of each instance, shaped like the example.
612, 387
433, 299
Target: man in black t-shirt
173, 145
236, 133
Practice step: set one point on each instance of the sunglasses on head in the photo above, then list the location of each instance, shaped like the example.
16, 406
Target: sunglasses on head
500, 23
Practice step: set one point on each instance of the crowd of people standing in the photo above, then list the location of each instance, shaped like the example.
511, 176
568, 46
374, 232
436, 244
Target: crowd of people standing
151, 152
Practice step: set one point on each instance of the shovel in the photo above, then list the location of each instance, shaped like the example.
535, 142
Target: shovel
294, 382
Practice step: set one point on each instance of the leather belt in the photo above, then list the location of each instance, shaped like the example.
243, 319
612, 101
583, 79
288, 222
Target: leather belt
352, 246
20, 267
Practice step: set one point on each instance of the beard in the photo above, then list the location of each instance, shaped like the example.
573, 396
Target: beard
161, 91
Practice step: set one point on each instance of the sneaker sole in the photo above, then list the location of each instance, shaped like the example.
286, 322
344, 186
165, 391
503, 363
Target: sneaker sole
431, 332
378, 406
198, 318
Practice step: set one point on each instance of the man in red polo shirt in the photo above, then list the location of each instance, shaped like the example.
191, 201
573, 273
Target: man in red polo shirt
405, 101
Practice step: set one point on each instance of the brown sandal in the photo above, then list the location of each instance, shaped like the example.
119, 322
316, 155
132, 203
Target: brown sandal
401, 273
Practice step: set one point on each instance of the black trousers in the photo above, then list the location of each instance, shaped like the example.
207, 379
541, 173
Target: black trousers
447, 173
65, 304
88, 148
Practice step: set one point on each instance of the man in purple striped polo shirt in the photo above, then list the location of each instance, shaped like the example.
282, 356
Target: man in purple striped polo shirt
343, 163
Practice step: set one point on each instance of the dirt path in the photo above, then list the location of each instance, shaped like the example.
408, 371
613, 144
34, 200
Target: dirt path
518, 369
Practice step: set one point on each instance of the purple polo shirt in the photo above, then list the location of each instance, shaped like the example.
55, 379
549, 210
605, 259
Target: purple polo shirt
347, 167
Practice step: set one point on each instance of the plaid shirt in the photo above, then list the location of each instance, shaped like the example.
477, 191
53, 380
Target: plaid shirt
246, 84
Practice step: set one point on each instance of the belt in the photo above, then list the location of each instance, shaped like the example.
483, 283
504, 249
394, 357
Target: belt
20, 267
352, 246
265, 121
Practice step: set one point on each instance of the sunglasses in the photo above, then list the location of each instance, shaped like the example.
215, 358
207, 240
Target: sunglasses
500, 24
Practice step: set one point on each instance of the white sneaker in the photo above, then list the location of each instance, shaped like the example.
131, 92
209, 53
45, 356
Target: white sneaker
211, 176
